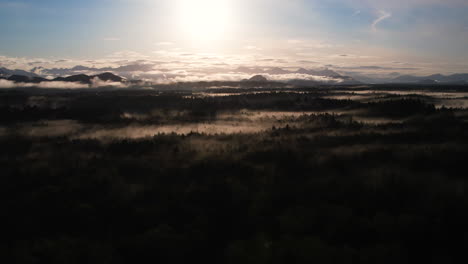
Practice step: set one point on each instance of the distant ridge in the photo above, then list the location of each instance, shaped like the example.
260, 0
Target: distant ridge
80, 78
258, 78
458, 78
301, 76
26, 79
4, 72
428, 81
19, 78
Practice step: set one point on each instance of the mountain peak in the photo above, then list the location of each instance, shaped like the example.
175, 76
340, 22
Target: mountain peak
108, 76
258, 78
4, 72
19, 78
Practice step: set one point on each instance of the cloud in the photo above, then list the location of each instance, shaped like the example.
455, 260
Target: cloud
298, 76
375, 67
95, 83
273, 74
6, 84
351, 56
383, 15
239, 76
57, 85
307, 62
127, 54
172, 63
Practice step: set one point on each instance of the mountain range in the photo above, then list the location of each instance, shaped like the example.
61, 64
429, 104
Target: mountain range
81, 78
302, 76
4, 72
459, 78
86, 79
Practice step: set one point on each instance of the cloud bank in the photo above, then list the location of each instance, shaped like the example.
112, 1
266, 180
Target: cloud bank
95, 83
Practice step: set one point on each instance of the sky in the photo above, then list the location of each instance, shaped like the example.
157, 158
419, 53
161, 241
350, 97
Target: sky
371, 37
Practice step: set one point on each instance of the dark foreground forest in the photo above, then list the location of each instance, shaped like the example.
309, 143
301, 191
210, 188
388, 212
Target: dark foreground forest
320, 175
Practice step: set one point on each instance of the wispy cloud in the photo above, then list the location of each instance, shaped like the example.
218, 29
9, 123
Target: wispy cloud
127, 55
111, 39
383, 15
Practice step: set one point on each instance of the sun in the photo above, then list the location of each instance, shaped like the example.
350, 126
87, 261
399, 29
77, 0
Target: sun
205, 19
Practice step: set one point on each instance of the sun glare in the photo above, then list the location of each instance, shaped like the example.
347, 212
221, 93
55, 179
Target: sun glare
205, 19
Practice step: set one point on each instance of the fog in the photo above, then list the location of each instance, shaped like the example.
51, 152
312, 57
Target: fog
95, 83
76, 130
206, 113
242, 122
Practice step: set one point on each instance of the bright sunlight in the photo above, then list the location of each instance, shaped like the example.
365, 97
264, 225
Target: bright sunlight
205, 19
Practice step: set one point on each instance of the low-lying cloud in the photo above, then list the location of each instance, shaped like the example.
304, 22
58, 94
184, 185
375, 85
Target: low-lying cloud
95, 83
6, 84
244, 76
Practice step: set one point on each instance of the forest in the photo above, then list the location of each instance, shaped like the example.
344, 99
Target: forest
358, 174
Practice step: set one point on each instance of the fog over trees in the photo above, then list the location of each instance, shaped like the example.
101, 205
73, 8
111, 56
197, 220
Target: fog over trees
244, 175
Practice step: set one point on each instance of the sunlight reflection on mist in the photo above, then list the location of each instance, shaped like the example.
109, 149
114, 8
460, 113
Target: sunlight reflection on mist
242, 122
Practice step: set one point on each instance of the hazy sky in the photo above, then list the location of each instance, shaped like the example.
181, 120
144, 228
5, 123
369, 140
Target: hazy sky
405, 36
